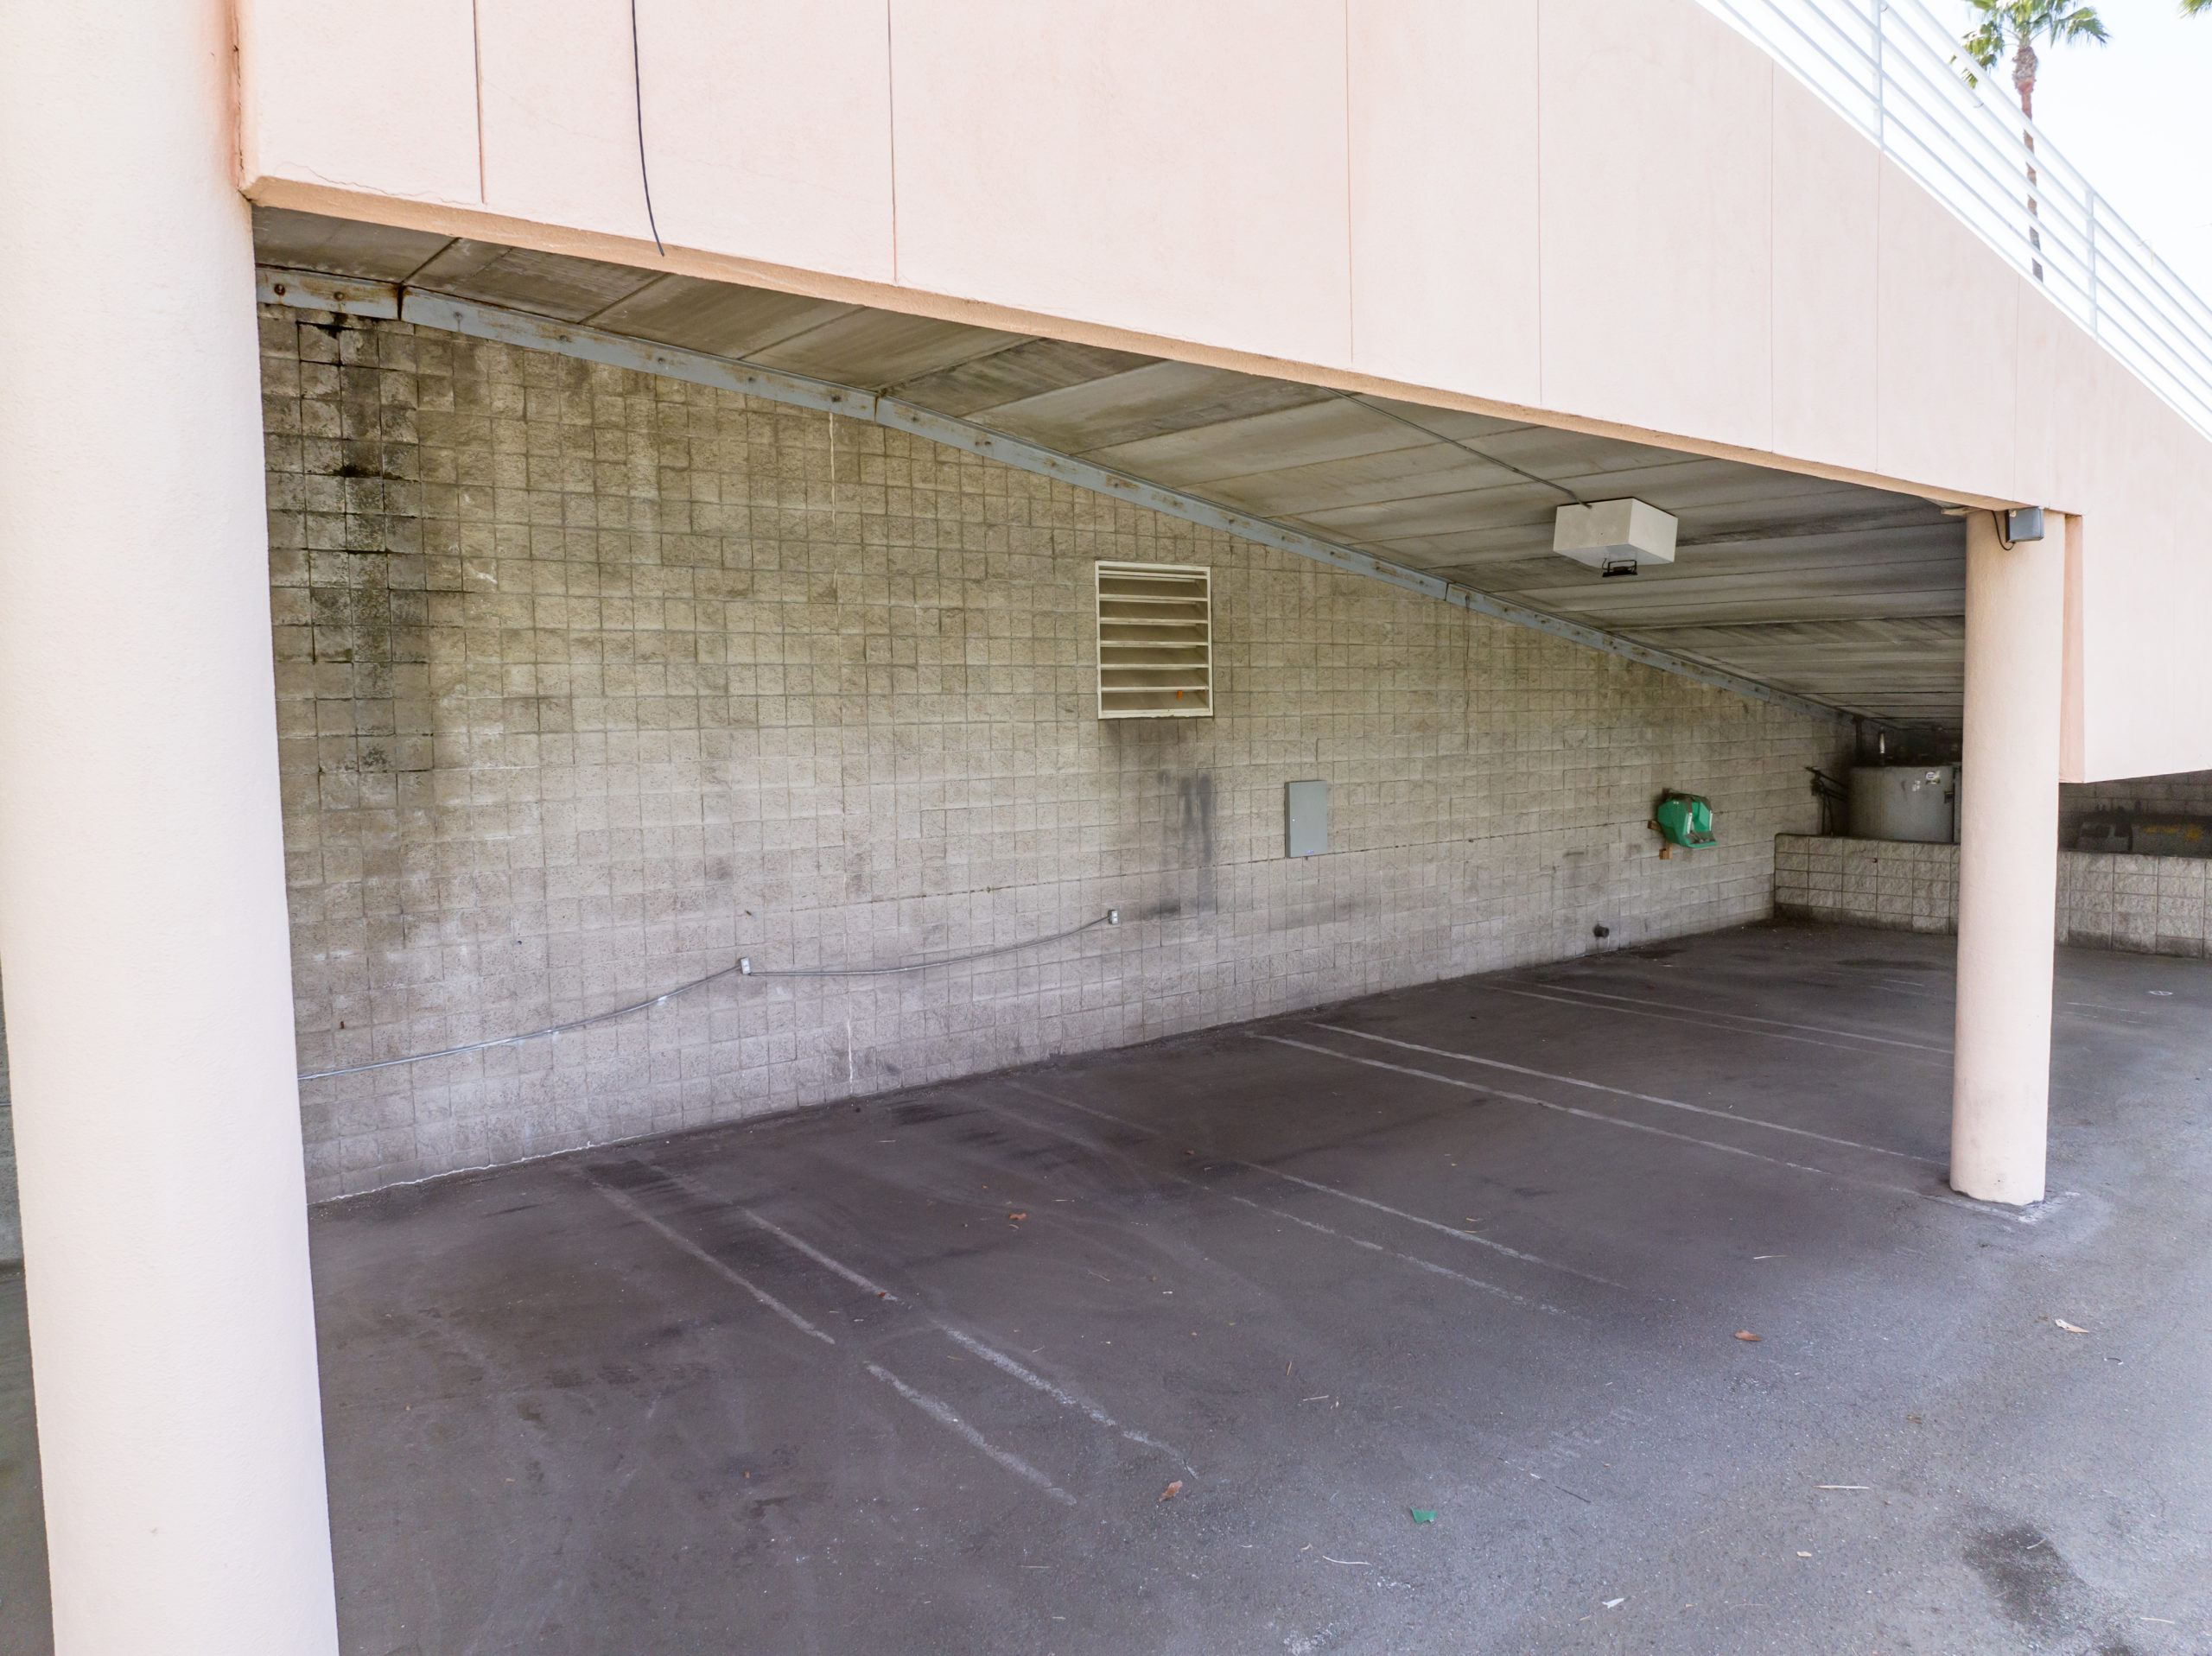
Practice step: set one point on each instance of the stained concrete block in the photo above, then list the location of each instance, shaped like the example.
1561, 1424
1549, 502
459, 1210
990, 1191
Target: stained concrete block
590, 682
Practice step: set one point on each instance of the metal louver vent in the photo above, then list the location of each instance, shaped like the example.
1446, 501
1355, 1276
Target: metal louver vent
1155, 641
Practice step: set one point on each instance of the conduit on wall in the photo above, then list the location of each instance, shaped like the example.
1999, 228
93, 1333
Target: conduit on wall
743, 968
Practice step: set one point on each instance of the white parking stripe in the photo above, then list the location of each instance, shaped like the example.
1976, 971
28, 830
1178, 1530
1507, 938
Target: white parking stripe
1399, 1213
622, 1200
1425, 1265
1939, 1198
1746, 1018
692, 1187
961, 1337
1085, 1109
933, 1408
1564, 1109
1707, 1023
941, 1413
1279, 1213
1623, 1092
1616, 1121
1416, 1219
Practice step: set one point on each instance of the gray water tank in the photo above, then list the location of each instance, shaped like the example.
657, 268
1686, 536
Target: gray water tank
1905, 802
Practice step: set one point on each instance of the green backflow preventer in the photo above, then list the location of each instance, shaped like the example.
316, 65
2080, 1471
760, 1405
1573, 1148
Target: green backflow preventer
1684, 820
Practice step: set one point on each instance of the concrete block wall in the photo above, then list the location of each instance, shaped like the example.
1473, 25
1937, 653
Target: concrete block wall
590, 681
2185, 793
1897, 883
2147, 905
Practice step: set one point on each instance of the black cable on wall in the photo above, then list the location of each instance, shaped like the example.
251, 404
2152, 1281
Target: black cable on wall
637, 96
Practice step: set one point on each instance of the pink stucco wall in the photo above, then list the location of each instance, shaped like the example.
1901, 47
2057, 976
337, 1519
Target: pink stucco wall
1617, 214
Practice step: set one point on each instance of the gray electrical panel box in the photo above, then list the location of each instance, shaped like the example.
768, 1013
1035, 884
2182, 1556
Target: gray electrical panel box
1305, 818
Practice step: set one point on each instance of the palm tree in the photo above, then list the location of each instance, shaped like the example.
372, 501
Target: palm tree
2014, 26
2191, 7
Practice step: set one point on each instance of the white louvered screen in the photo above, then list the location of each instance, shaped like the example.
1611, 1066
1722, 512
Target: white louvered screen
1155, 641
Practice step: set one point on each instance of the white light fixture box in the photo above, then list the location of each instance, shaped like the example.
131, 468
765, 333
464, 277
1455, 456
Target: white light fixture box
1614, 535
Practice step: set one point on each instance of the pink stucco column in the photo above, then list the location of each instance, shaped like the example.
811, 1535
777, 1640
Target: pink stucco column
2008, 860
142, 895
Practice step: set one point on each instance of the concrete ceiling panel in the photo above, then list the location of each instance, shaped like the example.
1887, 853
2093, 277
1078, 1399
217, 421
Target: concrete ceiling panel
1846, 594
1144, 402
874, 349
342, 246
715, 317
549, 284
972, 389
1289, 439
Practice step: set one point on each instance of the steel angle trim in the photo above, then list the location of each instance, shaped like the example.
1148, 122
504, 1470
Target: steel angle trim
1666, 661
1045, 462
1154, 497
620, 350
498, 323
314, 291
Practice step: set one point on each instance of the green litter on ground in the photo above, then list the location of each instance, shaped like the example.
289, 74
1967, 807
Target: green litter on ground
1420, 1517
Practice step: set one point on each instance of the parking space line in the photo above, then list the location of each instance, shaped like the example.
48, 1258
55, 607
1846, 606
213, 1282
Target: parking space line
1085, 1109
1623, 1092
631, 1206
959, 1336
941, 1413
1347, 1196
1708, 1022
1416, 1219
1425, 1265
1711, 1012
936, 1408
1279, 1213
1611, 1121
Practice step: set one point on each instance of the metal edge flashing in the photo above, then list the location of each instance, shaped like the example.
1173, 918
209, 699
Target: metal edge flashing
1012, 450
312, 290
276, 284
620, 350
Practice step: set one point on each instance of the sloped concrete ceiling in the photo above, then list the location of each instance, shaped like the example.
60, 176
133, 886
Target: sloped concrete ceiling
1849, 595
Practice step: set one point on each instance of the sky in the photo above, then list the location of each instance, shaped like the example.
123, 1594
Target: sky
2135, 116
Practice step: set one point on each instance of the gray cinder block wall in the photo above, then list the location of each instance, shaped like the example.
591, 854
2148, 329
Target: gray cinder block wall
2145, 905
2185, 793
590, 681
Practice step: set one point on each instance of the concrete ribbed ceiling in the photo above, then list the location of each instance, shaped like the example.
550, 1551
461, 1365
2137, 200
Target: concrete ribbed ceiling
1851, 596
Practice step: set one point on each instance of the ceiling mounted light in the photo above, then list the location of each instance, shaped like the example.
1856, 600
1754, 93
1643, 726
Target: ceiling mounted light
1614, 537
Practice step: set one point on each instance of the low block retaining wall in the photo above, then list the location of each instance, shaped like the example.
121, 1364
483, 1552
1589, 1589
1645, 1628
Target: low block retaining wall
2149, 906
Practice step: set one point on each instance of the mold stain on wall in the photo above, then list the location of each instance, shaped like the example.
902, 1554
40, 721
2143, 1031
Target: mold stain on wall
589, 683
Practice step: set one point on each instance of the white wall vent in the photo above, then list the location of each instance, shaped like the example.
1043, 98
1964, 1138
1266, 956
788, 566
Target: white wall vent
1155, 641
